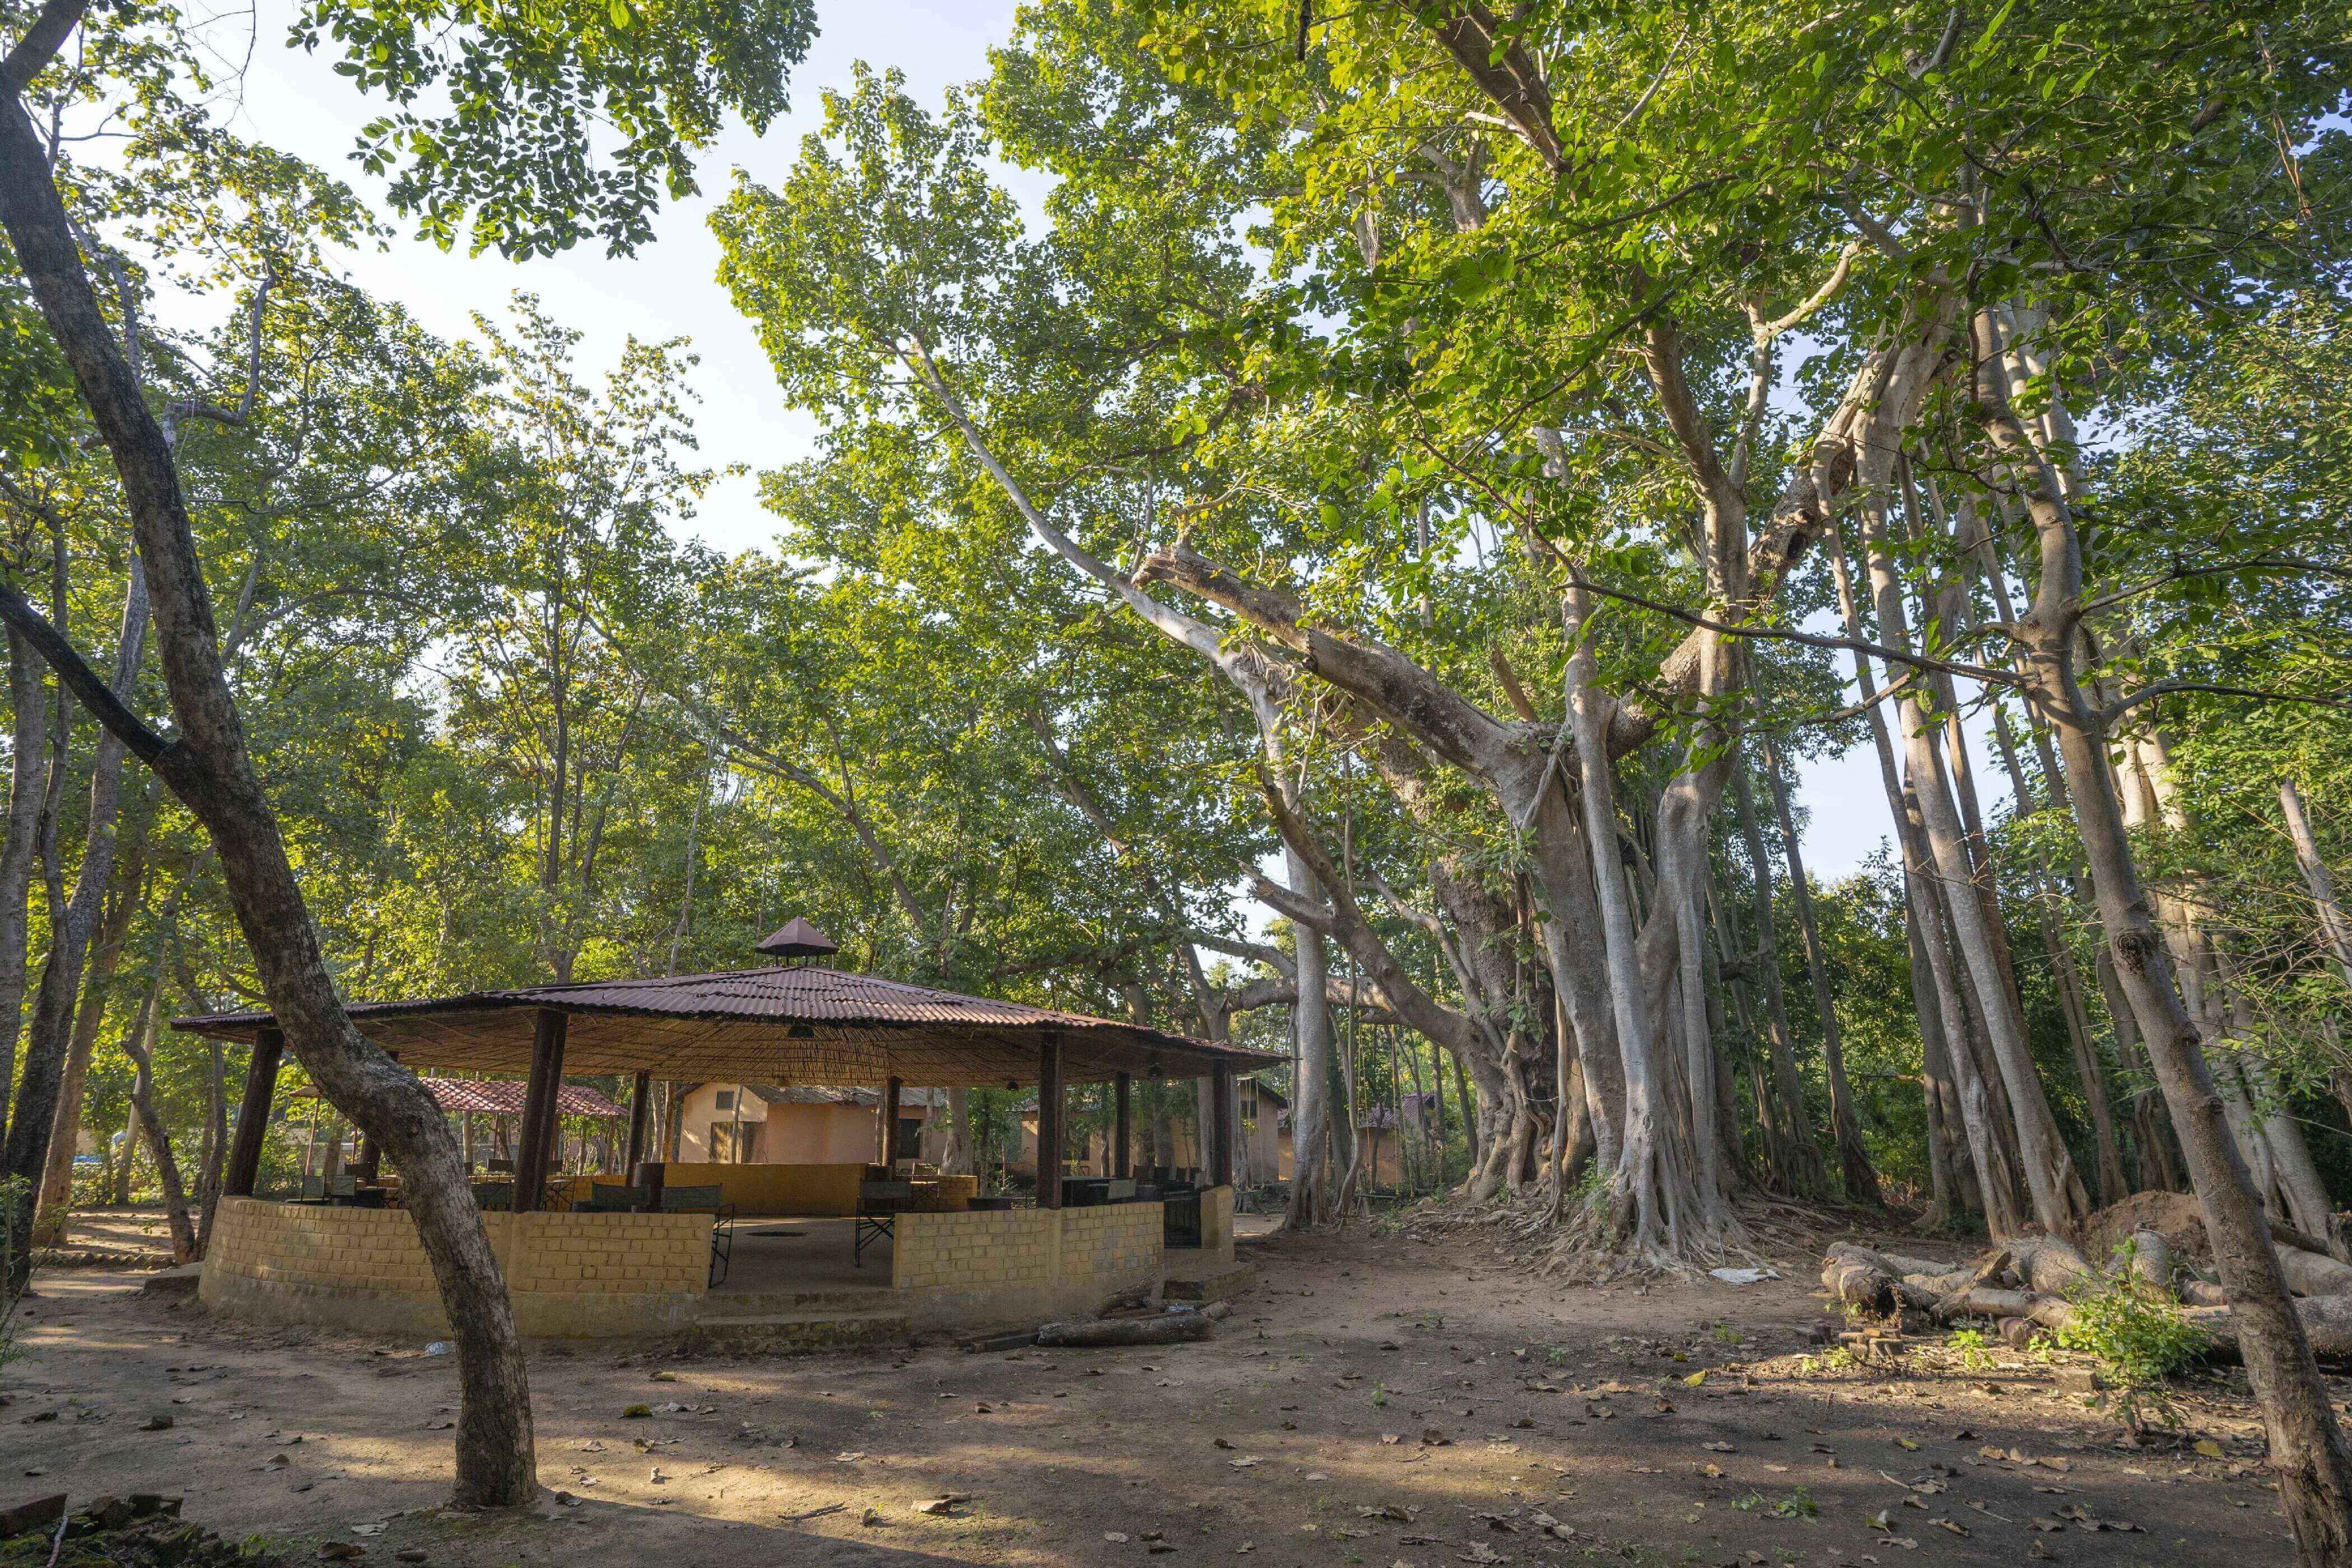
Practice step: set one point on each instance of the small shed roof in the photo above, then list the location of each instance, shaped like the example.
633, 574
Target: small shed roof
851, 1095
801, 1024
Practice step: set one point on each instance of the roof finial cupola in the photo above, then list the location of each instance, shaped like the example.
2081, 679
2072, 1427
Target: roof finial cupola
798, 941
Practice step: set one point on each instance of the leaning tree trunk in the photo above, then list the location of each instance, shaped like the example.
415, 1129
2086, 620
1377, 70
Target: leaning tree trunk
1988, 1145
27, 804
2060, 1203
90, 1016
140, 1044
24, 1155
2306, 1447
209, 767
2335, 924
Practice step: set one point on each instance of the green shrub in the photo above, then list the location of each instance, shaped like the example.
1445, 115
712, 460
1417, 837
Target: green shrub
2138, 1334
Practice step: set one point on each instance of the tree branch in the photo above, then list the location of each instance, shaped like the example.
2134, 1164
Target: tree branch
40, 44
88, 686
1811, 639
2115, 710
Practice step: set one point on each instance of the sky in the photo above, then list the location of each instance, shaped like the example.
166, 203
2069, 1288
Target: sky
670, 289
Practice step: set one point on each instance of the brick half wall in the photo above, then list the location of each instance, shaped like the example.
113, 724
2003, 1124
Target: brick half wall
1013, 1267
571, 1276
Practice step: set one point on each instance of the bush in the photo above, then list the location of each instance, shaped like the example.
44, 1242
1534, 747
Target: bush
2138, 1334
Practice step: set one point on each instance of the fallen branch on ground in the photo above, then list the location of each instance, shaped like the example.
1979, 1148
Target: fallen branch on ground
1170, 1328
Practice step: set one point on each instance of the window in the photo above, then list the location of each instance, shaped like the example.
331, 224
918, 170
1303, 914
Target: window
910, 1139
1249, 1108
724, 1100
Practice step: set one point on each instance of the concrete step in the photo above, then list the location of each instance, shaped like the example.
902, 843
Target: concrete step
1209, 1283
801, 1330
765, 1303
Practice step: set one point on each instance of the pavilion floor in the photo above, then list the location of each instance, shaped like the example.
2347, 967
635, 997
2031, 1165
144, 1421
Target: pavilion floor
783, 1256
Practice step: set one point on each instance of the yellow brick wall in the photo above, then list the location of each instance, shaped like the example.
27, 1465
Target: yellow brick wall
1022, 1266
775, 1189
1011, 1247
569, 1274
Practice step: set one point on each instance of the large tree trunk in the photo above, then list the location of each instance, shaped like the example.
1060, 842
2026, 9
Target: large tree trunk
208, 766
120, 1176
1804, 1155
1656, 1201
956, 1159
1853, 1157
1945, 1117
27, 806
2306, 1448
1310, 1111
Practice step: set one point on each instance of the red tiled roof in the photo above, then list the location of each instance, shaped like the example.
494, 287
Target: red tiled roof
503, 1097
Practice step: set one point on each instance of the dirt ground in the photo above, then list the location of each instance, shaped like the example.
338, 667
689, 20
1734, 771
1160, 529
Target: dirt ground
1385, 1399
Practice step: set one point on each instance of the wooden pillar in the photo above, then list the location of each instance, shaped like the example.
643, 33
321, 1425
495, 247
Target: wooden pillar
1122, 1130
641, 1105
1049, 1122
1220, 1138
893, 1093
539, 1110
253, 1114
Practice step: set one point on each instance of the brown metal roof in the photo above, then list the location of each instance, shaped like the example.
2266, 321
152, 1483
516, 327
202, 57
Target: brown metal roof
797, 1025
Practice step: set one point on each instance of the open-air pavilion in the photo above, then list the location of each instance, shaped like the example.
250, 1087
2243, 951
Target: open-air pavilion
942, 1258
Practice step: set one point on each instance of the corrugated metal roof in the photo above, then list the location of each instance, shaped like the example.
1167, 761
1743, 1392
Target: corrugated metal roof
791, 994
800, 1024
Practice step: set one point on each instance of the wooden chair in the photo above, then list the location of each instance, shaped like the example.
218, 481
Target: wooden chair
709, 1200
879, 1204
